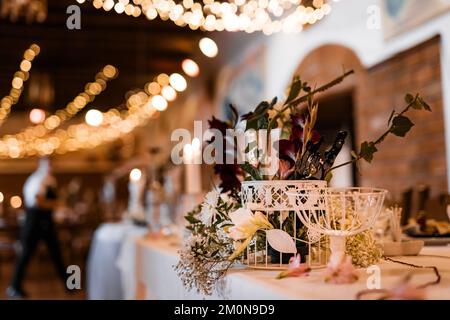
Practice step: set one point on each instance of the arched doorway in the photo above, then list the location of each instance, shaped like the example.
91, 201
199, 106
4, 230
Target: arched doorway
337, 106
420, 158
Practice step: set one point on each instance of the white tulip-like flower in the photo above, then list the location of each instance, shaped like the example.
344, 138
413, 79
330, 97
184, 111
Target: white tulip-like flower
246, 224
209, 210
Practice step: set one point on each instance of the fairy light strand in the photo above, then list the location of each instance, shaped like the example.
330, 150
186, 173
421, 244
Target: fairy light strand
19, 79
116, 123
268, 16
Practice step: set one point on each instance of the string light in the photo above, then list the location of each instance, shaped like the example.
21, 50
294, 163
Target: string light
29, 142
178, 82
94, 118
18, 81
37, 116
159, 103
169, 93
208, 47
116, 123
190, 67
31, 10
268, 16
15, 202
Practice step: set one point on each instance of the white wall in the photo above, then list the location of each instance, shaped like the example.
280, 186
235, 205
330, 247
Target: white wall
347, 26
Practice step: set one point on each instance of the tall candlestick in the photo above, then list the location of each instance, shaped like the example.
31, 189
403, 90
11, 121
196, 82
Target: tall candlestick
136, 188
192, 154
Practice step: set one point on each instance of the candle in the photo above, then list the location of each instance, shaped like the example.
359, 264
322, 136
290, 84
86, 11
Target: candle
192, 155
136, 188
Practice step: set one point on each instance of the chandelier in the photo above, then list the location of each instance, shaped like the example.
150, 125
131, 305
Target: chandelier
31, 10
268, 16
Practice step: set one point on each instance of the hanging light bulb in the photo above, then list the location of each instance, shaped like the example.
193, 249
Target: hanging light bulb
94, 118
159, 103
15, 202
190, 67
37, 116
169, 93
208, 47
178, 82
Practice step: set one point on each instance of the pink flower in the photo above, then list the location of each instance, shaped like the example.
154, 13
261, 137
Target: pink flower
342, 273
295, 269
406, 291
403, 291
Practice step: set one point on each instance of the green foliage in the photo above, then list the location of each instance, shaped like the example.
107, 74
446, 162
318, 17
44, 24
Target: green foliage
398, 125
251, 170
368, 149
401, 125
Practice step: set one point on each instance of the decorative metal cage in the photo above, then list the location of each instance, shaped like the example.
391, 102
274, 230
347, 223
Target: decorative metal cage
338, 213
272, 199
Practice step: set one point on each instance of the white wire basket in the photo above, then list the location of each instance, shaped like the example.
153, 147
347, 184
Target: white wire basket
271, 198
338, 213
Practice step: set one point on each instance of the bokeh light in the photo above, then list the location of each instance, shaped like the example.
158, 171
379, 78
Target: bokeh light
15, 202
94, 118
159, 103
37, 116
208, 47
190, 67
135, 174
178, 82
169, 93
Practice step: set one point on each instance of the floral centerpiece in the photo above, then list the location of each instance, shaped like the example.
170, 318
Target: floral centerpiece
224, 226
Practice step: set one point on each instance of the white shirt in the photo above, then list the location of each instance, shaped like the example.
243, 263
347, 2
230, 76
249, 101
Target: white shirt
36, 185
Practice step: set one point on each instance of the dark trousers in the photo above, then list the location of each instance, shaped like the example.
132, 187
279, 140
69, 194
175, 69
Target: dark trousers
38, 226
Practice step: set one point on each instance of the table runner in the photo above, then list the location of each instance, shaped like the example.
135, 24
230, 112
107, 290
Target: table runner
158, 280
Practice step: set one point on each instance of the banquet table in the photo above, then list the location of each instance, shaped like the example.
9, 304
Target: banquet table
157, 279
110, 267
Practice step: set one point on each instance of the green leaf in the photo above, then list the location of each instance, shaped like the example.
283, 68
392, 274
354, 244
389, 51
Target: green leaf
263, 122
261, 109
251, 170
368, 149
401, 125
409, 98
329, 176
295, 89
354, 155
191, 219
252, 124
273, 102
425, 105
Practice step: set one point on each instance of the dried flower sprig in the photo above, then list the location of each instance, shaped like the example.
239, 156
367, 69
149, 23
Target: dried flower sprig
404, 291
363, 249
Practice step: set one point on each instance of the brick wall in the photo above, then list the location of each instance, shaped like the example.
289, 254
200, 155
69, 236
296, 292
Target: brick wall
401, 163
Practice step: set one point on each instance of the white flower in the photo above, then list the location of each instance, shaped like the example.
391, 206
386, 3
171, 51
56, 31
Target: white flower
208, 212
207, 215
212, 198
246, 224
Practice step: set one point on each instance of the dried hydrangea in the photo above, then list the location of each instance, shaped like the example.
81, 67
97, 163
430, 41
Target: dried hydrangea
363, 249
204, 258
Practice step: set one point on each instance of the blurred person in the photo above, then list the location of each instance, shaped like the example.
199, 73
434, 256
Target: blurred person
41, 198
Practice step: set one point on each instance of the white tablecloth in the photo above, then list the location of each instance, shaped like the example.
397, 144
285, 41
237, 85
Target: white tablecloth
111, 262
156, 259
